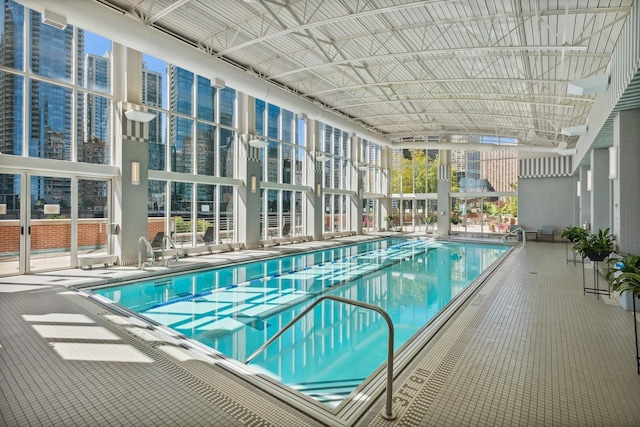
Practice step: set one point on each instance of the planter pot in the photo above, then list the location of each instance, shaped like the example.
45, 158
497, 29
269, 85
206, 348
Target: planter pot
598, 257
625, 299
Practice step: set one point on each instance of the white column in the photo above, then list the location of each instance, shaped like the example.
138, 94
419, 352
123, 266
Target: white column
131, 137
626, 202
444, 188
600, 189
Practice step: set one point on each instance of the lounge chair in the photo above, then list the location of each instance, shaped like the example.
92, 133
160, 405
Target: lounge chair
546, 231
286, 230
156, 243
208, 236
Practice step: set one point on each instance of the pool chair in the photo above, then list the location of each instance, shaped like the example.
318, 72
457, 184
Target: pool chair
546, 231
156, 243
208, 236
286, 230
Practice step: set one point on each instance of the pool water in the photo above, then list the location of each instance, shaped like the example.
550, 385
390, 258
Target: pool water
331, 350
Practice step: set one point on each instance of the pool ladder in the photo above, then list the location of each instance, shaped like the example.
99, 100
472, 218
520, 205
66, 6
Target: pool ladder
144, 245
388, 414
515, 232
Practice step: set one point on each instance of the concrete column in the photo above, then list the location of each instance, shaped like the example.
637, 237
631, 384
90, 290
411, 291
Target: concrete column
600, 189
356, 183
385, 186
248, 201
314, 215
131, 137
626, 200
585, 197
444, 188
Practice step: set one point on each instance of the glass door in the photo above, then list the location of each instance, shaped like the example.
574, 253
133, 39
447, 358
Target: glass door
93, 217
49, 223
12, 237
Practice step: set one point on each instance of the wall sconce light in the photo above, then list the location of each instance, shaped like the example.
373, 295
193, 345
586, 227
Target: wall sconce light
139, 116
589, 180
318, 189
321, 157
135, 173
613, 162
360, 193
578, 191
254, 183
258, 142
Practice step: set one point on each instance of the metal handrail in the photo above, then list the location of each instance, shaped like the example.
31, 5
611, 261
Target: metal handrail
150, 256
515, 233
388, 415
164, 246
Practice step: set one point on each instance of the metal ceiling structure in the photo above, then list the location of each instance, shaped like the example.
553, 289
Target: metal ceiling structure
410, 69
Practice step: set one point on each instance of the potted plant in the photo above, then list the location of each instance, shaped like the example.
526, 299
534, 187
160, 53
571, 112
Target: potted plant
596, 247
624, 277
573, 233
389, 219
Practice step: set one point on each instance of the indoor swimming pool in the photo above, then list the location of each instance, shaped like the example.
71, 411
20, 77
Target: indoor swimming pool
333, 349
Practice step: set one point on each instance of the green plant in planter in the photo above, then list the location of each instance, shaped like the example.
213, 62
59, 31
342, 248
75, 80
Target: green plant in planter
573, 233
389, 218
455, 220
596, 247
624, 274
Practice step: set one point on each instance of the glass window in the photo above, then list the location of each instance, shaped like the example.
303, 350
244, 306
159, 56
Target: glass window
11, 106
181, 215
181, 90
287, 163
94, 130
154, 78
206, 211
52, 50
50, 123
157, 141
302, 133
227, 106
261, 107
287, 126
206, 149
11, 37
299, 166
227, 153
273, 166
181, 144
227, 233
273, 122
206, 100
97, 62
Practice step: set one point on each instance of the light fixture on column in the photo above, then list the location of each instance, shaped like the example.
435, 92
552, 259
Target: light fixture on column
589, 180
578, 191
254, 183
135, 173
318, 189
139, 115
258, 142
613, 162
321, 157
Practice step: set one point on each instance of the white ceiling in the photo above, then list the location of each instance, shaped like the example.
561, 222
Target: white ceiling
408, 69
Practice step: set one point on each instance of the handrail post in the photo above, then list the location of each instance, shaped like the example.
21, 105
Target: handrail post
388, 415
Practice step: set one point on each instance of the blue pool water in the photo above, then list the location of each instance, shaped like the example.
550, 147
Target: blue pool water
334, 348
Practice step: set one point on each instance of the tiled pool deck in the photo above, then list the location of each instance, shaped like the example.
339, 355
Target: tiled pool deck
528, 349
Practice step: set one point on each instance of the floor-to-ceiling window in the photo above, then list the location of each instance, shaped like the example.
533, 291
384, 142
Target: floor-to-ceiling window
55, 108
283, 165
192, 137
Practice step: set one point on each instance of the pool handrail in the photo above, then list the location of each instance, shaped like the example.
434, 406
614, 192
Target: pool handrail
150, 255
168, 245
388, 414
515, 232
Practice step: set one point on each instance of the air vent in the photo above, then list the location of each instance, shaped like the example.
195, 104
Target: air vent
54, 19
